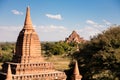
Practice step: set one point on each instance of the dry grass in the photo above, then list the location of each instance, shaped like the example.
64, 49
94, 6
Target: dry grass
60, 63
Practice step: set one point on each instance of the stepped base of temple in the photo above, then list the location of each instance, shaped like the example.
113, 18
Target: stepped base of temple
24, 71
56, 75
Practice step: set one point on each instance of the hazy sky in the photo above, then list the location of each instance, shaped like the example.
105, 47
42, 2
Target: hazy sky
54, 20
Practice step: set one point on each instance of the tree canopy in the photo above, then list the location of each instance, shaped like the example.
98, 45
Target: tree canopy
99, 58
58, 48
6, 51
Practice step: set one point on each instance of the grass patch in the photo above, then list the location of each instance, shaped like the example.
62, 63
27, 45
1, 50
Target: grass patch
60, 63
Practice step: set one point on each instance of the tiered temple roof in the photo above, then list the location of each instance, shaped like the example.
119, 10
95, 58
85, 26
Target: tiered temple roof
74, 37
28, 48
27, 62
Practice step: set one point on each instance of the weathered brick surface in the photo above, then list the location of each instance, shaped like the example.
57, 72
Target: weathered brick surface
28, 63
74, 37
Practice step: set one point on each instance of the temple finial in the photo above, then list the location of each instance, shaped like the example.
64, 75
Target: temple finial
28, 6
28, 22
9, 73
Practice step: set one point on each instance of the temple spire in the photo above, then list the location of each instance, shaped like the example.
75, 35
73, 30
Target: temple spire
76, 74
76, 70
28, 45
9, 73
28, 22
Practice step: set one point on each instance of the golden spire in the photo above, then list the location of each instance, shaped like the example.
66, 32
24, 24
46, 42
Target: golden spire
9, 73
28, 22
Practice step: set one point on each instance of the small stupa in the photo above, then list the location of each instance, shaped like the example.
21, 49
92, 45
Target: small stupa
9, 74
76, 74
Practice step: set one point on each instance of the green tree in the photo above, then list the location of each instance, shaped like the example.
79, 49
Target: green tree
6, 50
58, 48
99, 59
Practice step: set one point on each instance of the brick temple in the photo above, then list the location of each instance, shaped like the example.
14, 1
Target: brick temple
27, 62
74, 37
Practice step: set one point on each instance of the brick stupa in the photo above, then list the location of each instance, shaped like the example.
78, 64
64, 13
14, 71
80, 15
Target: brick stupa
27, 62
76, 74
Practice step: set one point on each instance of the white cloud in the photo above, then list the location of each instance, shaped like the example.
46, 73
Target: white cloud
57, 16
9, 33
54, 32
90, 22
94, 24
107, 22
51, 28
93, 28
16, 12
87, 32
46, 33
99, 26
